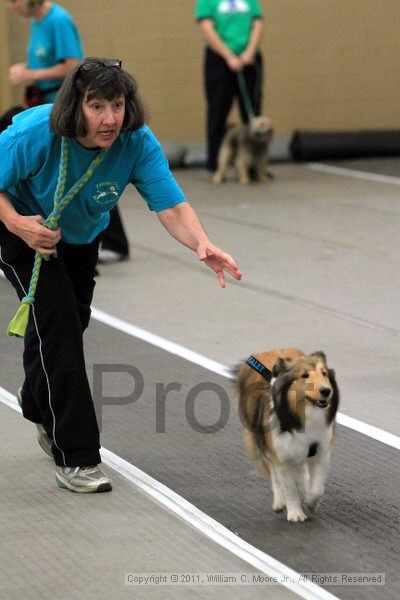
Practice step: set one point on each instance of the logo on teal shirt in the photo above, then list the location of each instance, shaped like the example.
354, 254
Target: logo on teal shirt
41, 52
107, 192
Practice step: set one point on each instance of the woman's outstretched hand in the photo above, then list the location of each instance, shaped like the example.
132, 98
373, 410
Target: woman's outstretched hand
219, 261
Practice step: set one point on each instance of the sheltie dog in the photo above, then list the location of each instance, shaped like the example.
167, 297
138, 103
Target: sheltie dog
288, 403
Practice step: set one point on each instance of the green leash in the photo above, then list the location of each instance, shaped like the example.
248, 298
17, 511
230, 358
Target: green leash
248, 104
18, 324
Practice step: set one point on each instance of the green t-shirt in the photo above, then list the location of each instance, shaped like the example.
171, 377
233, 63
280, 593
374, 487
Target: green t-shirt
233, 20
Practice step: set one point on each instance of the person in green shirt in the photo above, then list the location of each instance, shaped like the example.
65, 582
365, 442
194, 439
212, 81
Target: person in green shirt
232, 29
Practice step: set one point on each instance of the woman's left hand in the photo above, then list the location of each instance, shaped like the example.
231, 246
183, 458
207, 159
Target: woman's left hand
247, 58
219, 261
19, 73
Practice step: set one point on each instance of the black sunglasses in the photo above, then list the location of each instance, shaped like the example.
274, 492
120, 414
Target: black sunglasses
109, 62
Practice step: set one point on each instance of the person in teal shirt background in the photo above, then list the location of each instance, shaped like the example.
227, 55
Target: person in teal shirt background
232, 29
87, 147
54, 46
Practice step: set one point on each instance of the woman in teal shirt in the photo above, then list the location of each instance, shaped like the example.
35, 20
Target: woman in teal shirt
232, 29
64, 167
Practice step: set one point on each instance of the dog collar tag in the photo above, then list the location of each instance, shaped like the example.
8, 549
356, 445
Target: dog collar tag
259, 367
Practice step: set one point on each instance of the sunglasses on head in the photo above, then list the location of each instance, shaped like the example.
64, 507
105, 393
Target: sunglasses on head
109, 62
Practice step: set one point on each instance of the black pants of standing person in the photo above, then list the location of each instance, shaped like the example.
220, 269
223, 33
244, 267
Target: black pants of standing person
7, 117
222, 86
56, 390
114, 237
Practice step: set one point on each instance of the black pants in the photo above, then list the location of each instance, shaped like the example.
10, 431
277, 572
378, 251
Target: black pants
56, 390
114, 237
7, 117
222, 86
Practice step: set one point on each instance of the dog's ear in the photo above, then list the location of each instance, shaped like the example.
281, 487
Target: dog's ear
281, 365
321, 355
334, 404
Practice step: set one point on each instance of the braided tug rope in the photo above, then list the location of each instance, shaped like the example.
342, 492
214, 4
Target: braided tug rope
18, 324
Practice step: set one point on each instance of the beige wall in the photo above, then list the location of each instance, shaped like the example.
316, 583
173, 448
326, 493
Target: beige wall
330, 64
5, 92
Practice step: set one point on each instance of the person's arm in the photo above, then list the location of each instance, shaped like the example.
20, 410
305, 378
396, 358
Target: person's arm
30, 229
183, 224
255, 38
19, 73
215, 42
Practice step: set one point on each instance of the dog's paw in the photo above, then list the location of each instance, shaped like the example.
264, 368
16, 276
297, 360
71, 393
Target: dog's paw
313, 499
313, 504
278, 506
296, 515
217, 179
244, 181
263, 178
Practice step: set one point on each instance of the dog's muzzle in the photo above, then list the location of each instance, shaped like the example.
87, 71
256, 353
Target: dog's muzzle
325, 395
322, 403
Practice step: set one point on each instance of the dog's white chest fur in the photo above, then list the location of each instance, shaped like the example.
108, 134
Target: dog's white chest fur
294, 447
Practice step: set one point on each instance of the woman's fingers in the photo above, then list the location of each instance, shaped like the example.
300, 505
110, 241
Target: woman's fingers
38, 237
43, 250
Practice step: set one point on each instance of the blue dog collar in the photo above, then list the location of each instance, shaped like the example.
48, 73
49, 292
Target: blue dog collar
259, 367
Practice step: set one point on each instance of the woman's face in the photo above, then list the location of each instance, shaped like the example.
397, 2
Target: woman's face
103, 120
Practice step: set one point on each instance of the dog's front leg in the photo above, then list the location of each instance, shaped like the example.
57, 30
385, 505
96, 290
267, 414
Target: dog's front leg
304, 479
287, 474
261, 171
278, 503
242, 170
224, 158
318, 466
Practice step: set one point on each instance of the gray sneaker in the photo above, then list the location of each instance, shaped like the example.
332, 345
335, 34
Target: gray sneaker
83, 479
44, 441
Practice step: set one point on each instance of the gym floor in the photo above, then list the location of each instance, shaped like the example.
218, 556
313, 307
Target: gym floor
319, 251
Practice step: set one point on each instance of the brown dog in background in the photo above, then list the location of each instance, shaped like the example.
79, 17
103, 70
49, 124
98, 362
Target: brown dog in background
246, 147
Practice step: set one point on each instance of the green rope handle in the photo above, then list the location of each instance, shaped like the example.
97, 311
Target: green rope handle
245, 95
249, 102
18, 324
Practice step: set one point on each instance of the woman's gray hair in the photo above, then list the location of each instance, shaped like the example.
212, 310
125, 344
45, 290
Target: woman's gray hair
91, 78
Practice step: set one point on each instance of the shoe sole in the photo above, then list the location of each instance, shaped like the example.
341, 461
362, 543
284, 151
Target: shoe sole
44, 446
103, 487
43, 440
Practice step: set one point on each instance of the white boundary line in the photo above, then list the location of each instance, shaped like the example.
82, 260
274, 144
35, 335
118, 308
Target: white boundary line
377, 434
212, 365
374, 432
353, 173
203, 523
164, 344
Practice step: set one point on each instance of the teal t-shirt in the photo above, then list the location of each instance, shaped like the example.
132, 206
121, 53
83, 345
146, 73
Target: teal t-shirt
30, 154
52, 40
233, 20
